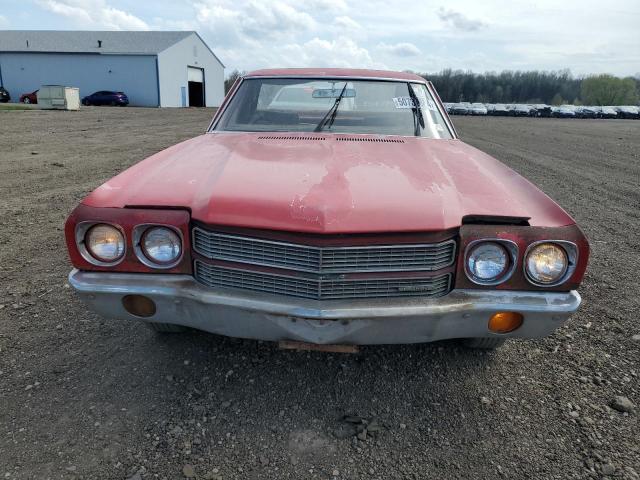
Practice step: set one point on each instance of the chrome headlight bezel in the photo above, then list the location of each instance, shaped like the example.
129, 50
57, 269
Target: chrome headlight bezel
511, 249
81, 232
138, 233
571, 252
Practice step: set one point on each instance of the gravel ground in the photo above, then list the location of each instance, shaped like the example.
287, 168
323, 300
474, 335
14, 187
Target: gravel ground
86, 398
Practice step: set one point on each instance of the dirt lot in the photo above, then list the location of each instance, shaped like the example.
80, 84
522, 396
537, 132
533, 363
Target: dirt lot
82, 397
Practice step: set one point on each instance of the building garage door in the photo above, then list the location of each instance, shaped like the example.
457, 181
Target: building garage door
196, 86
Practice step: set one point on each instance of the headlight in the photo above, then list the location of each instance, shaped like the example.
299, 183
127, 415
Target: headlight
487, 263
105, 243
161, 245
546, 263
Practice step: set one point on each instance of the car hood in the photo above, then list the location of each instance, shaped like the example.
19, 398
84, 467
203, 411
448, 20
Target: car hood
328, 183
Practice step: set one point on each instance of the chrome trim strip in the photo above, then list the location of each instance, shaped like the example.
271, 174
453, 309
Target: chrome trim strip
324, 133
225, 103
184, 288
512, 250
322, 250
339, 77
443, 110
570, 248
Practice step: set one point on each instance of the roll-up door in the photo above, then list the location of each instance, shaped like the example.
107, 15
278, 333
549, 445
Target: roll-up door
195, 77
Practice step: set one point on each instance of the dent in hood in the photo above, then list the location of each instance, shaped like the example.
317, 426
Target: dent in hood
329, 186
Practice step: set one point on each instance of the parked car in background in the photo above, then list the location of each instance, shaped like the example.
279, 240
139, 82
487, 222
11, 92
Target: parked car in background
295, 98
628, 111
607, 112
542, 110
4, 95
29, 97
477, 109
521, 110
586, 112
459, 109
498, 109
106, 97
563, 112
322, 225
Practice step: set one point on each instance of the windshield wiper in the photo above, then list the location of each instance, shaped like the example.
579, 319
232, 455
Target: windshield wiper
330, 116
418, 119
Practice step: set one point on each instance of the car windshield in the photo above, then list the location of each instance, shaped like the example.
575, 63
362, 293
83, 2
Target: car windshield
335, 106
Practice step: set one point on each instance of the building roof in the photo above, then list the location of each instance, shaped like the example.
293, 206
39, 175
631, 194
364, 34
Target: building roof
334, 72
112, 42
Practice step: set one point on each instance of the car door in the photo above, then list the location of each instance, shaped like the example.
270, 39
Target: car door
107, 98
100, 98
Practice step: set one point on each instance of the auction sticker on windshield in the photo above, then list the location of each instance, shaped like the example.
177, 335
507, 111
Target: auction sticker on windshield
403, 102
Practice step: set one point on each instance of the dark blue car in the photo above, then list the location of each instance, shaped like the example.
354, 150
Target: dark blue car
105, 97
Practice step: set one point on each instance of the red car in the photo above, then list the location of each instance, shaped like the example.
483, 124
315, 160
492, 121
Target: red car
329, 206
29, 97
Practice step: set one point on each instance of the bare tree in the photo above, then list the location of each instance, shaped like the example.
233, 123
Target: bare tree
231, 79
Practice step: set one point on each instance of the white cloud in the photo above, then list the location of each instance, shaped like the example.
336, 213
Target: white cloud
89, 14
347, 23
459, 20
402, 49
329, 6
252, 19
341, 52
250, 34
419, 36
4, 22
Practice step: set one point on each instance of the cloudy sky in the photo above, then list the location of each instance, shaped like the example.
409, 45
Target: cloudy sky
584, 36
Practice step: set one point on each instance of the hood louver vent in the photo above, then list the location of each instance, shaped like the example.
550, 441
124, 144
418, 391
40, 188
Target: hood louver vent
281, 137
368, 139
339, 139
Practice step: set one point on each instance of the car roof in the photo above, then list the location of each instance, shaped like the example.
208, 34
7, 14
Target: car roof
334, 72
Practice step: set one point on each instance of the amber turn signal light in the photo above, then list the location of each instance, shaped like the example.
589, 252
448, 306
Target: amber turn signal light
139, 305
505, 322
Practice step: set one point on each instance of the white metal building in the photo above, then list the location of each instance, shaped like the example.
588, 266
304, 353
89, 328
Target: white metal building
166, 69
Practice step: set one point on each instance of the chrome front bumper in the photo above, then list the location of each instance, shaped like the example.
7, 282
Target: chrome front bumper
460, 314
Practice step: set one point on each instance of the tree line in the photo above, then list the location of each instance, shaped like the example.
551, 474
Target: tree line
552, 88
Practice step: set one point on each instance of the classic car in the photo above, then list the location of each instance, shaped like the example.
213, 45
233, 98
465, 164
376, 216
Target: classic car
374, 224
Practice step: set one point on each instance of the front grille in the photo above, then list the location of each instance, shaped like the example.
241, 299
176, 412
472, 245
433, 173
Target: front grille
319, 288
306, 258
